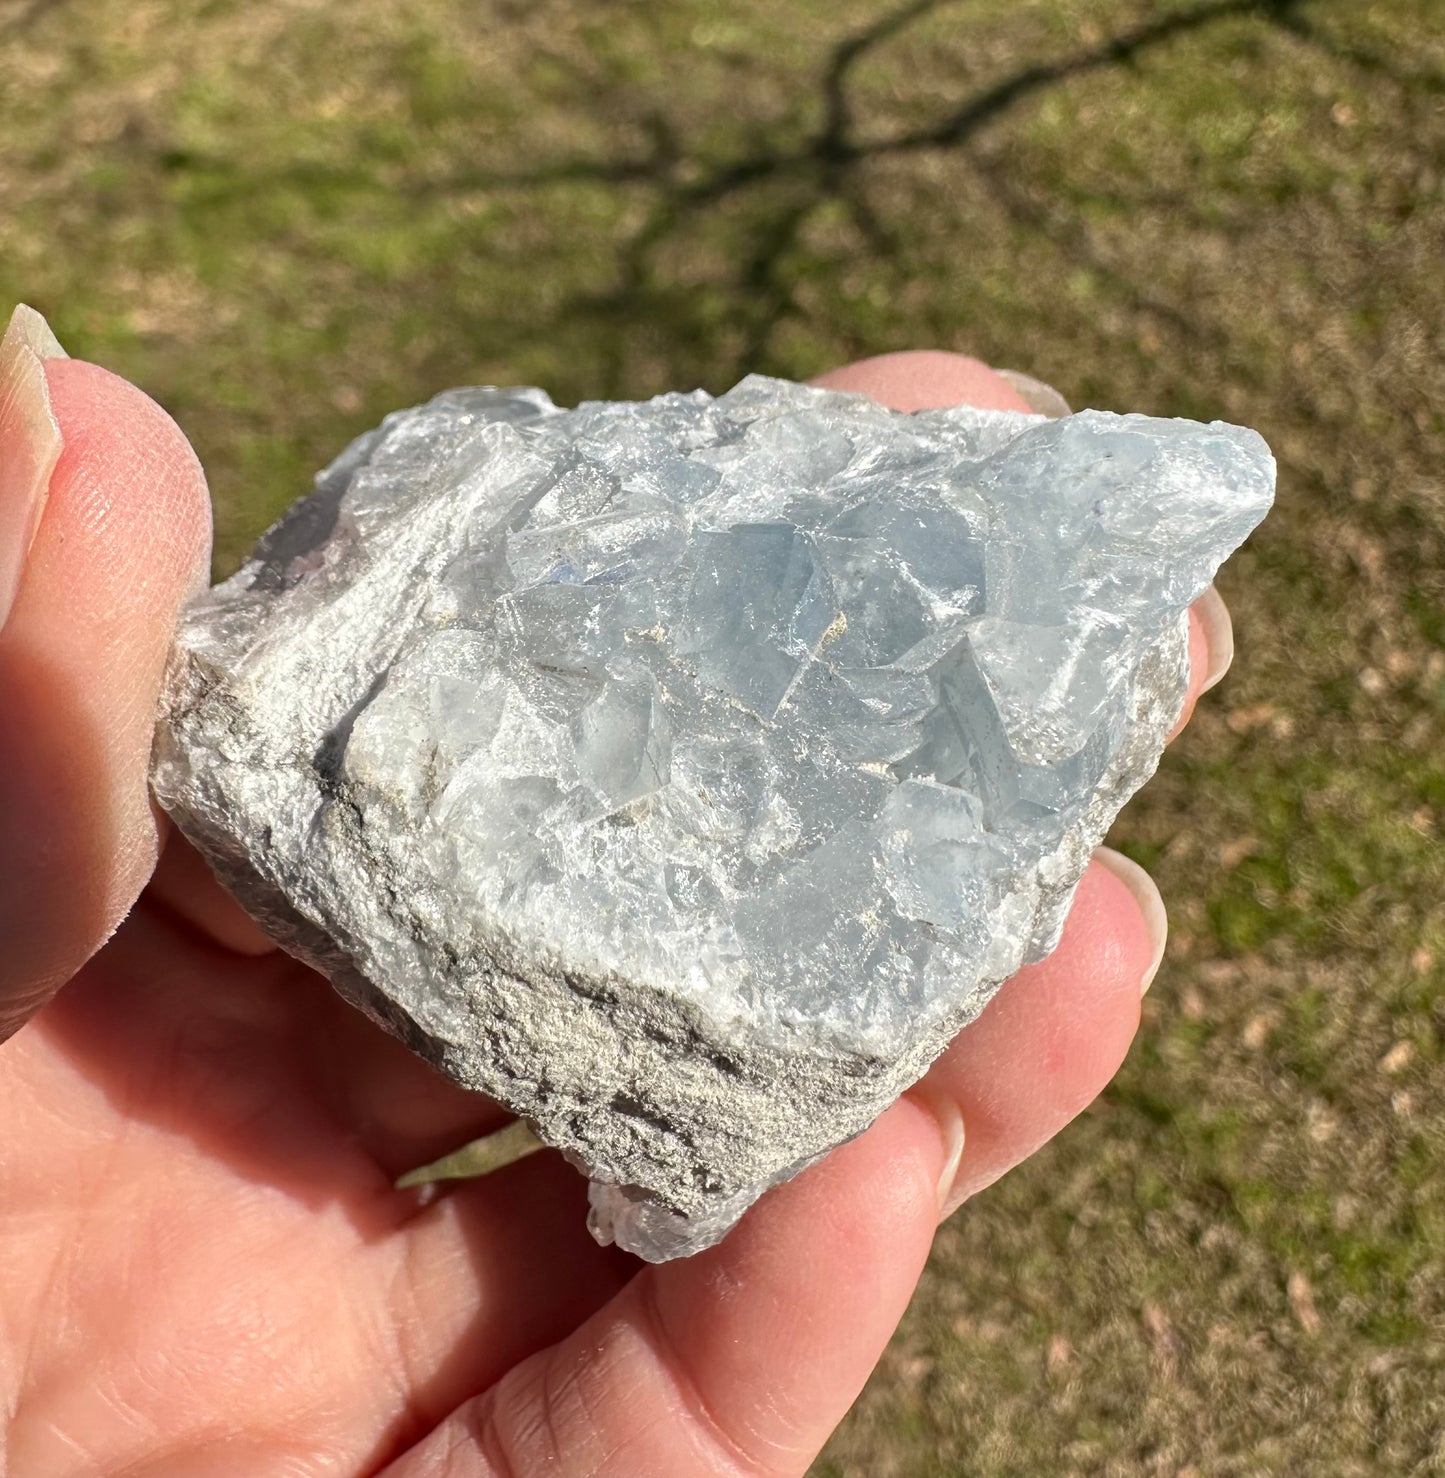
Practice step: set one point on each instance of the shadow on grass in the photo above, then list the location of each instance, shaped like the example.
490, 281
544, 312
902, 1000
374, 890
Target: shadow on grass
823, 170
776, 184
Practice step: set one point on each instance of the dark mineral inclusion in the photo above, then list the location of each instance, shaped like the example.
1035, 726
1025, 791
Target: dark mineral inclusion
684, 774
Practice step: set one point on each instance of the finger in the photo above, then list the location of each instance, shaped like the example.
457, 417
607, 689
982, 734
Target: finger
926, 379
740, 1360
1055, 1034
123, 538
1211, 650
929, 379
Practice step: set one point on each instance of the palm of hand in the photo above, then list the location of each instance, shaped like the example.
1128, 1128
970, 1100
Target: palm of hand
198, 1155
204, 1268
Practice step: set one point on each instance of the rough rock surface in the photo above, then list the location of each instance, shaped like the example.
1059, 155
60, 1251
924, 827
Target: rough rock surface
685, 774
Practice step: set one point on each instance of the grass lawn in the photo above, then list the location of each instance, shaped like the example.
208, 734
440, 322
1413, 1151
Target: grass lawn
287, 217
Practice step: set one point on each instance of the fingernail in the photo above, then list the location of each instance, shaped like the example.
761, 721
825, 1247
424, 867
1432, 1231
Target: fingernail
30, 443
1146, 895
1043, 398
945, 1114
1218, 635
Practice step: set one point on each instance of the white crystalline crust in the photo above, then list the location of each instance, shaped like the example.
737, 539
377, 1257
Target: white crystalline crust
685, 773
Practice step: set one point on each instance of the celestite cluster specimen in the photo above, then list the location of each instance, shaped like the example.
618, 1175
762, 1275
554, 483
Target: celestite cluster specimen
686, 773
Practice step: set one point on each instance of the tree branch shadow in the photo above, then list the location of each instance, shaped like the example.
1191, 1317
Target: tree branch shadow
1362, 58
785, 183
828, 164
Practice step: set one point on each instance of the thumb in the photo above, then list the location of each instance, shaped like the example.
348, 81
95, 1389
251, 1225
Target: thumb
104, 530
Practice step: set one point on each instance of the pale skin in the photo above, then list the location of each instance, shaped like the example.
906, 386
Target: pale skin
205, 1269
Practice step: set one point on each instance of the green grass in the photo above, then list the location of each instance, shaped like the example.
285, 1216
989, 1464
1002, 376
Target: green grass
285, 219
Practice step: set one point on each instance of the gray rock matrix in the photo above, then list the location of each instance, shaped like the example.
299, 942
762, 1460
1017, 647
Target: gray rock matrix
686, 773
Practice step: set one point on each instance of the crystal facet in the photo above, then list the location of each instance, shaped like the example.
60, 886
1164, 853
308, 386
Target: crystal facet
685, 774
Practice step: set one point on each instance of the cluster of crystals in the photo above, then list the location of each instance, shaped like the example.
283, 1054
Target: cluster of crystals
778, 700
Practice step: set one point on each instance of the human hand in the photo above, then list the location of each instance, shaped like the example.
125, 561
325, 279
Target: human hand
204, 1267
